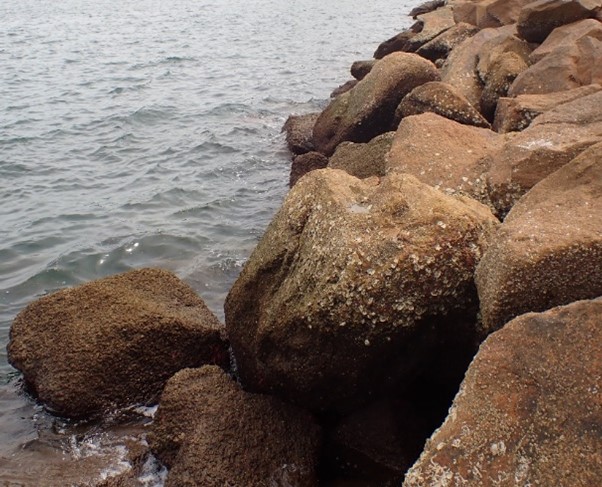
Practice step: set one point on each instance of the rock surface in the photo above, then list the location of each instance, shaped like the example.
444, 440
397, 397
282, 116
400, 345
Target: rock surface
397, 43
444, 43
529, 411
359, 69
340, 298
566, 35
433, 23
426, 7
363, 160
299, 132
113, 342
368, 109
305, 163
212, 433
548, 252
487, 13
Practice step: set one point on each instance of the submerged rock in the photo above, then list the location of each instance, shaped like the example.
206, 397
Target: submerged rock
363, 160
113, 342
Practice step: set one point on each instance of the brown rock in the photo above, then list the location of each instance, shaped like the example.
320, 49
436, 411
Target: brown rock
444, 43
443, 153
433, 24
529, 410
368, 109
338, 301
548, 252
552, 140
344, 88
359, 69
299, 136
442, 99
113, 342
397, 43
516, 114
426, 7
537, 19
305, 163
213, 434
487, 13
500, 45
363, 160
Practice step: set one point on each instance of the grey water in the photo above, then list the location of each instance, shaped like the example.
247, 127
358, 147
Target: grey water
147, 133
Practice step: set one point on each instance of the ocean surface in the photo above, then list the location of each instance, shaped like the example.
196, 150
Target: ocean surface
147, 133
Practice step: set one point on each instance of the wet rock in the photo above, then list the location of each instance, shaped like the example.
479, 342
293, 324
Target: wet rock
443, 153
212, 433
397, 43
433, 24
528, 412
363, 160
299, 136
537, 19
359, 69
113, 342
551, 141
368, 109
344, 88
444, 43
548, 252
305, 163
341, 298
566, 35
442, 99
426, 7
516, 114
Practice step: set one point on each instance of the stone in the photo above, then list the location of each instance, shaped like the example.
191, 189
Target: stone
299, 136
538, 19
499, 46
344, 88
350, 285
426, 7
487, 13
305, 163
397, 43
516, 114
529, 409
113, 342
212, 433
440, 47
359, 69
442, 99
367, 110
548, 252
551, 141
433, 24
363, 160
442, 153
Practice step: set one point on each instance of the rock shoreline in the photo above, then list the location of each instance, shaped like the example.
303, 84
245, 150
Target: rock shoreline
434, 275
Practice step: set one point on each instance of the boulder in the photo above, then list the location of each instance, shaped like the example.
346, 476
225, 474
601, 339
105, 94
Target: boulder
567, 34
440, 47
548, 252
516, 114
443, 153
305, 163
433, 24
212, 433
397, 43
528, 411
551, 141
500, 45
367, 110
363, 160
426, 7
538, 19
299, 136
113, 342
359, 69
344, 88
487, 13
350, 286
442, 99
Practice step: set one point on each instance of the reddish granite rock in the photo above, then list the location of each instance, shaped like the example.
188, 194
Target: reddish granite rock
548, 251
299, 136
529, 411
487, 13
305, 163
444, 43
433, 24
363, 160
566, 35
502, 44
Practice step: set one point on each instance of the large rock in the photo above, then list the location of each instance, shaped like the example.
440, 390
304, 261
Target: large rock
113, 342
212, 433
299, 132
363, 160
502, 44
350, 285
305, 163
359, 69
551, 141
368, 109
443, 153
487, 13
440, 47
442, 99
565, 35
548, 251
426, 7
433, 24
529, 411
537, 19
397, 43
516, 114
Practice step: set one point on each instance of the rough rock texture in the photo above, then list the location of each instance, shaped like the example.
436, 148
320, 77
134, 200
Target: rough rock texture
113, 342
299, 136
568, 66
548, 251
501, 45
551, 141
529, 411
397, 43
516, 114
444, 43
443, 153
359, 69
212, 433
487, 13
368, 109
442, 99
433, 24
566, 35
363, 160
342, 296
426, 7
344, 88
537, 19
305, 163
